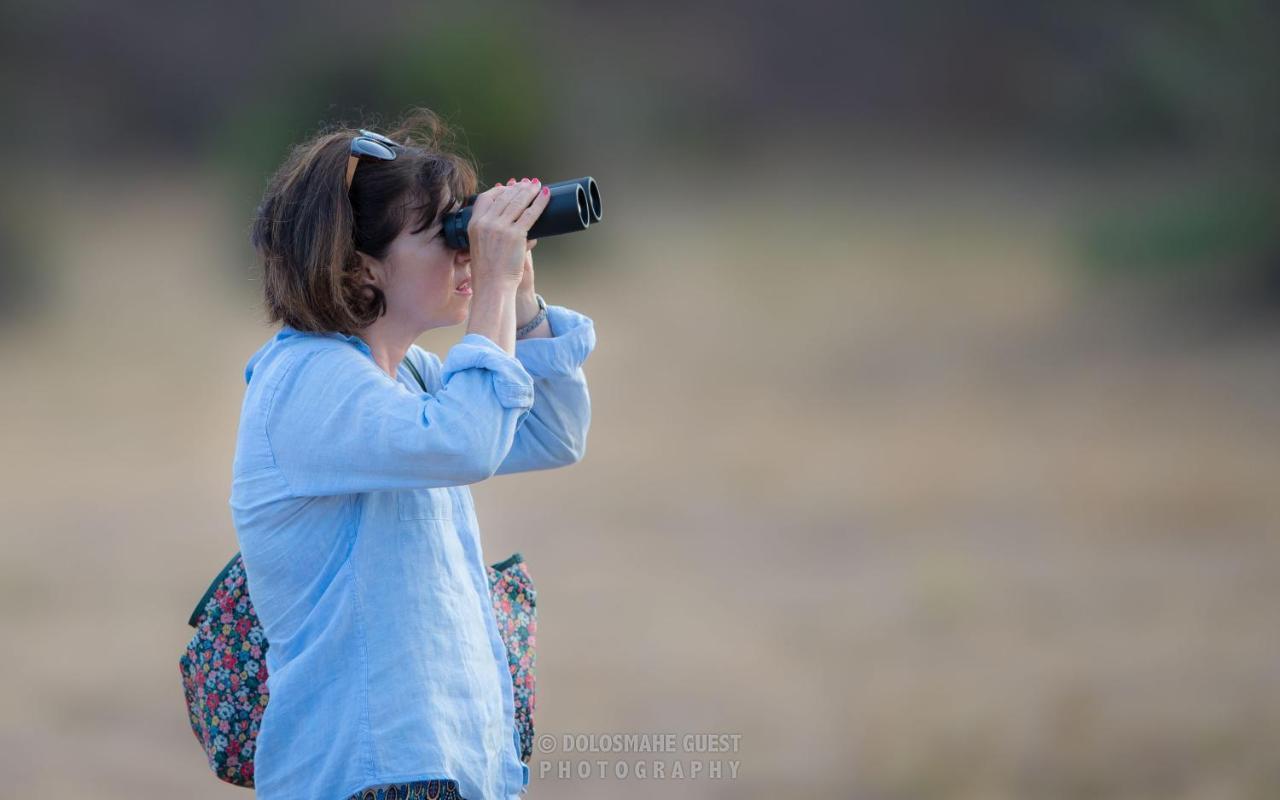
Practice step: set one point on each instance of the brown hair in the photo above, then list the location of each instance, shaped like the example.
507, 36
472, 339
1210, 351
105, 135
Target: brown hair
308, 228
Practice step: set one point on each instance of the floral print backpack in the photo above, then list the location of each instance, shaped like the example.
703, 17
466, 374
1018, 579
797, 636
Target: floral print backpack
224, 670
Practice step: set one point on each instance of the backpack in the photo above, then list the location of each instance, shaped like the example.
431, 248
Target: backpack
224, 669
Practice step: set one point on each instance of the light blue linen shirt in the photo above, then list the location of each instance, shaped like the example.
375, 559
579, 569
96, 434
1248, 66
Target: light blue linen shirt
363, 555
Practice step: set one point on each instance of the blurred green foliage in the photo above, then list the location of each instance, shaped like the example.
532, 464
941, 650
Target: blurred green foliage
494, 96
26, 277
1196, 80
1198, 228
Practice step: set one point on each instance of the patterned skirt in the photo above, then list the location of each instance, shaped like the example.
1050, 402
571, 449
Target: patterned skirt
418, 790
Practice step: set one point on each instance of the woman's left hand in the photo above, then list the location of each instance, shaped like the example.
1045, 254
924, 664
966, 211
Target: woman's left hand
526, 281
526, 300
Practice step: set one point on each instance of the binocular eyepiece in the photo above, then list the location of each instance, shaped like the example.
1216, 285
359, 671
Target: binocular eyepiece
573, 206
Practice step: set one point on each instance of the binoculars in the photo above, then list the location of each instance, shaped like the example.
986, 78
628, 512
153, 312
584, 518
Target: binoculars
574, 205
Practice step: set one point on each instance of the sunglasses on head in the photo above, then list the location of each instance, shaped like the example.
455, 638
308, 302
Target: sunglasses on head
369, 145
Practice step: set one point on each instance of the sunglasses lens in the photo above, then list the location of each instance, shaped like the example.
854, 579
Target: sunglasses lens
362, 146
378, 137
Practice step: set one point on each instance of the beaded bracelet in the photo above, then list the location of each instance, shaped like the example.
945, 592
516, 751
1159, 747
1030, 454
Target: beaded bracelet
537, 319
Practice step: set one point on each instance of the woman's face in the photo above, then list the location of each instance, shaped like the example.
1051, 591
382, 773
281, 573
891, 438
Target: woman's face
420, 277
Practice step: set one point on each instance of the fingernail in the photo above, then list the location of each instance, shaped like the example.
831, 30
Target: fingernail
546, 190
522, 180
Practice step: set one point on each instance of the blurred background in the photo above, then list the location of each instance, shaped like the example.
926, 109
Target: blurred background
936, 434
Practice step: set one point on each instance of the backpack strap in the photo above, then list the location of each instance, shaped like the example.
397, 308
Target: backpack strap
409, 363
194, 621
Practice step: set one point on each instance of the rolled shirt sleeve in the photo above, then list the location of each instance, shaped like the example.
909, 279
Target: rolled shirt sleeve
563, 353
338, 424
554, 433
511, 380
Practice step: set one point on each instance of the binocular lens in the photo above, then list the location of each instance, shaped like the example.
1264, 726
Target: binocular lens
592, 189
593, 197
573, 206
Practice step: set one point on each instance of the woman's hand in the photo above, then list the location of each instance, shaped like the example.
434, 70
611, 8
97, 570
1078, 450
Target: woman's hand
526, 281
526, 295
499, 233
527, 301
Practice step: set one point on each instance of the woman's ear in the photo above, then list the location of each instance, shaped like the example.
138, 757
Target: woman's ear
372, 270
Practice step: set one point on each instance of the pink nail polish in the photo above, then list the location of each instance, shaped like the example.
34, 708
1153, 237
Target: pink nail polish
546, 190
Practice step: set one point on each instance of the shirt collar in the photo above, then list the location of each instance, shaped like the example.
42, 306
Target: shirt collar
360, 344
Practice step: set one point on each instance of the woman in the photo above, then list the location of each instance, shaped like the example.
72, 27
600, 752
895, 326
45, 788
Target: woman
350, 495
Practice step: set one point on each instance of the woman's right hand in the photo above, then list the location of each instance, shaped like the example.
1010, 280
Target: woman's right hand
499, 230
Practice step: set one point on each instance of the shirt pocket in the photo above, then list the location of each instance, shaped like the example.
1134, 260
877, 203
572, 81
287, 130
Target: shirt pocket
424, 504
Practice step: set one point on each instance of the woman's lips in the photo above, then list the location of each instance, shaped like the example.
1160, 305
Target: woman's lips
464, 287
